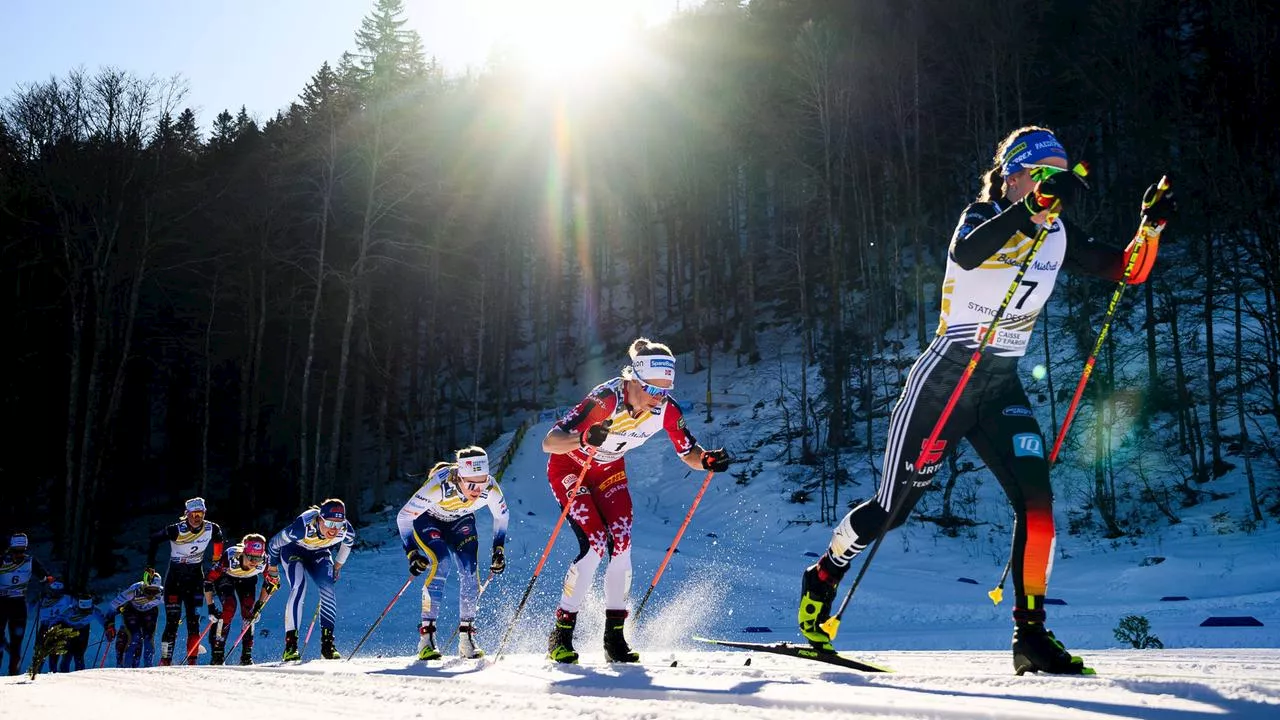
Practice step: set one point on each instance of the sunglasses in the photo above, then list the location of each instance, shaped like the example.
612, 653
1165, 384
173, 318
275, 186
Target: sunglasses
654, 390
253, 558
333, 524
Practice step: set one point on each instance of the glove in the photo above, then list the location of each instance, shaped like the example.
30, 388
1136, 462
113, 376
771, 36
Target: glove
498, 561
271, 576
1067, 187
215, 612
1158, 203
596, 434
257, 609
111, 633
418, 563
716, 460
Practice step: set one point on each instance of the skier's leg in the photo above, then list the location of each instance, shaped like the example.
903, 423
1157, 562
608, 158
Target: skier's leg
297, 577
929, 385
172, 618
1009, 441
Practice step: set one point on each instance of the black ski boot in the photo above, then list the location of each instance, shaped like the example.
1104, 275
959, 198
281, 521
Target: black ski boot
616, 648
1035, 649
327, 650
291, 647
817, 594
560, 643
246, 657
217, 655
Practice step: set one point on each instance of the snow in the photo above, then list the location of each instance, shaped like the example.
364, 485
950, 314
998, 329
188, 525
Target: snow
738, 567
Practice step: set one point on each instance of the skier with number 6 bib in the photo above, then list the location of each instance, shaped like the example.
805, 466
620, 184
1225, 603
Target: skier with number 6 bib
617, 416
990, 245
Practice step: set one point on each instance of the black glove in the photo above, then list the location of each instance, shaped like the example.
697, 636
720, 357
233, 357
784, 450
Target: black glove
215, 612
498, 562
596, 434
418, 563
716, 460
1066, 187
257, 609
1159, 203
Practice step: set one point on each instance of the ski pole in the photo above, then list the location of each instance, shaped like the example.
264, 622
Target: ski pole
307, 640
1146, 231
385, 610
29, 639
193, 649
248, 627
569, 499
832, 624
107, 643
671, 550
480, 594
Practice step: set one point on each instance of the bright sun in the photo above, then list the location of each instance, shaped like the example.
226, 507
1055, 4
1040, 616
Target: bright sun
563, 42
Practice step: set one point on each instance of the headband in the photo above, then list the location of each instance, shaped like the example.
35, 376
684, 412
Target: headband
1031, 149
655, 367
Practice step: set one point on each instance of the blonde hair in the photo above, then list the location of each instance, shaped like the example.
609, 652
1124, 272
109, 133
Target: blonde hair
993, 177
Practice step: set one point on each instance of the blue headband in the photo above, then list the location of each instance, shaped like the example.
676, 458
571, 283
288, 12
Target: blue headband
1031, 149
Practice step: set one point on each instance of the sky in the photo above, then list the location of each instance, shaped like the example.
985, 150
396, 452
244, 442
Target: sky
257, 53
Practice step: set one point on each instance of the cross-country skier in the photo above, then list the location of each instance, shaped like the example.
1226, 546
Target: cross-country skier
304, 548
53, 607
989, 245
188, 539
17, 569
439, 523
618, 416
80, 619
139, 604
234, 578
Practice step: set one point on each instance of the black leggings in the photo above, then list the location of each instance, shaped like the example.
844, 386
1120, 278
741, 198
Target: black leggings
183, 588
994, 415
13, 620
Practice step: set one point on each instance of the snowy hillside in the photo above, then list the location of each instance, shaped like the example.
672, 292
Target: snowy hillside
923, 611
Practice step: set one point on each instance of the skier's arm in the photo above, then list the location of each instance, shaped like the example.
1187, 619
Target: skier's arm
219, 542
566, 435
165, 534
981, 232
289, 534
417, 504
501, 514
348, 540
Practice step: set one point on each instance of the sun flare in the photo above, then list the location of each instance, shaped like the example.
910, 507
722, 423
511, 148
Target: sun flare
563, 42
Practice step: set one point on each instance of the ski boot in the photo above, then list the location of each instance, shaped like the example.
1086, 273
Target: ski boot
560, 643
467, 646
427, 641
166, 653
217, 656
246, 657
1035, 649
817, 593
327, 650
291, 653
616, 648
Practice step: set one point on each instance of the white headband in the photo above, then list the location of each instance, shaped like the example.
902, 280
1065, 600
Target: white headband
655, 367
473, 466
